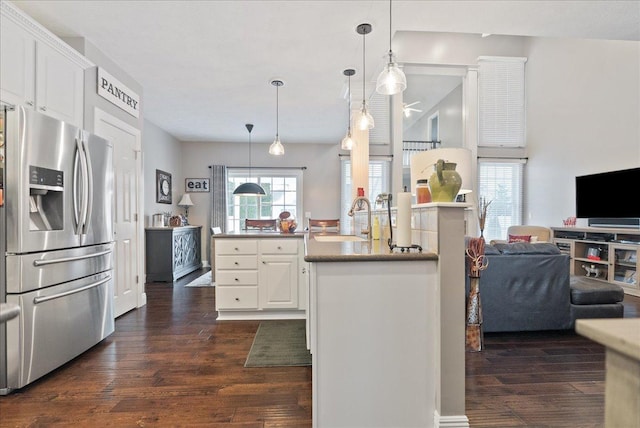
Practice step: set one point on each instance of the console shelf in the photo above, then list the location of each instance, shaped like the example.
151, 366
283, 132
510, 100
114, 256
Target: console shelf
605, 254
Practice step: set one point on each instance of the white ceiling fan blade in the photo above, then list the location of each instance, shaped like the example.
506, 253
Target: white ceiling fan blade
412, 104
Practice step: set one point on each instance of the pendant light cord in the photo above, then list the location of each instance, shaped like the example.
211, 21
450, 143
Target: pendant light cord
249, 155
390, 26
277, 111
349, 105
364, 70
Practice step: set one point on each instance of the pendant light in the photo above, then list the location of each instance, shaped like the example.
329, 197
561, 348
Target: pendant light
391, 80
276, 147
347, 141
248, 188
364, 120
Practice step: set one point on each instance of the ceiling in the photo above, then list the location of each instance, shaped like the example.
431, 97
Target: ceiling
206, 66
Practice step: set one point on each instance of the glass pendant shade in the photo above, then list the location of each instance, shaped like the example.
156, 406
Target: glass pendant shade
391, 80
276, 148
348, 143
249, 189
364, 120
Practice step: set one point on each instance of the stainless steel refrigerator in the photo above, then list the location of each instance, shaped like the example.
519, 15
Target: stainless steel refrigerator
56, 203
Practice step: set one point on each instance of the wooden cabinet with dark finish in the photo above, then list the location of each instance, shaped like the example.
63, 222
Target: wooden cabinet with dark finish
172, 252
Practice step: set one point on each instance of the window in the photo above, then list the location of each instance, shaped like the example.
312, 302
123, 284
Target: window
283, 189
500, 181
379, 182
433, 130
501, 102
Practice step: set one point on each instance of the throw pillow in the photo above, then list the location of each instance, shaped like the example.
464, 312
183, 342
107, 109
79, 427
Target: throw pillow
519, 238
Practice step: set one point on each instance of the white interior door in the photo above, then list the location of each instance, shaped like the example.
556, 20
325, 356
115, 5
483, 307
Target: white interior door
127, 169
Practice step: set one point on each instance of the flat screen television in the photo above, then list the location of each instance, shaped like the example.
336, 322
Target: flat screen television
609, 199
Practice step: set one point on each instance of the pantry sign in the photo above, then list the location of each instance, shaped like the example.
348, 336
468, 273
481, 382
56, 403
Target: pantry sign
117, 93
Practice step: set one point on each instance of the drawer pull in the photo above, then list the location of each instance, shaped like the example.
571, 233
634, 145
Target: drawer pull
264, 263
236, 279
279, 247
237, 249
237, 299
235, 263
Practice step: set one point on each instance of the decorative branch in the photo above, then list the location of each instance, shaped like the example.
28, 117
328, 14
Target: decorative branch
475, 253
483, 205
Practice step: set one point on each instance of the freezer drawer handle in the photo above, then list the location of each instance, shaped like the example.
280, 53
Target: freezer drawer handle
37, 300
69, 259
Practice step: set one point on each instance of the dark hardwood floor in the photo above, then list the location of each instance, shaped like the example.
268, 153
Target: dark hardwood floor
171, 364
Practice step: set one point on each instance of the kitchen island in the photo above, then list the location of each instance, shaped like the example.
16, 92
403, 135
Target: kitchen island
386, 329
259, 275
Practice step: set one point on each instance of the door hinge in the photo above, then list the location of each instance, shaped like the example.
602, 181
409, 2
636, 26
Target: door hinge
135, 217
137, 279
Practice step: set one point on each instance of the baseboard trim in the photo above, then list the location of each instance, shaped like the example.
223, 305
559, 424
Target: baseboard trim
456, 421
260, 315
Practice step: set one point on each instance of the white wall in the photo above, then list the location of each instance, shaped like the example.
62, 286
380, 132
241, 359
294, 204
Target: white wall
583, 117
321, 179
449, 121
161, 151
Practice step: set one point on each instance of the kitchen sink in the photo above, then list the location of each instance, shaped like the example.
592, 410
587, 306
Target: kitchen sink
338, 238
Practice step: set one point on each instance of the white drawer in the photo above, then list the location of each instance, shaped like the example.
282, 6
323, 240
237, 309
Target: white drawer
238, 277
236, 262
236, 298
279, 246
236, 246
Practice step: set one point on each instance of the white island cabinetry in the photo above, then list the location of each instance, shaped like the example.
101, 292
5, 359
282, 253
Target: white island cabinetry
259, 277
386, 329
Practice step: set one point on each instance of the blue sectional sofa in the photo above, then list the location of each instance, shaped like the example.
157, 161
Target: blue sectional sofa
527, 287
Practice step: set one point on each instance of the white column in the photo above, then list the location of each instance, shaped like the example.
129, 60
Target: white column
359, 160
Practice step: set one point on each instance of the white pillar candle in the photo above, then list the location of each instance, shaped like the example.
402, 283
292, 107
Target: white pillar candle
403, 220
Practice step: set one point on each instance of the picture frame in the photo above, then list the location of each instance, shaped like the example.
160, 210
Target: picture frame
163, 187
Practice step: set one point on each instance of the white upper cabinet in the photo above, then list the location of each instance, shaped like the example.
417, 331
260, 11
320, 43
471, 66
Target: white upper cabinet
38, 70
17, 67
59, 86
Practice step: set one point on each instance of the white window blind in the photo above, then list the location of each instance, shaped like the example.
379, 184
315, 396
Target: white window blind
379, 182
500, 181
501, 98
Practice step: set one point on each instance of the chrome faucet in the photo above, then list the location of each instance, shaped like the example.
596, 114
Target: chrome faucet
358, 201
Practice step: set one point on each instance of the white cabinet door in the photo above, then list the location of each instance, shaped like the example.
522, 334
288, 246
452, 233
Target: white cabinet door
17, 64
278, 279
35, 75
59, 86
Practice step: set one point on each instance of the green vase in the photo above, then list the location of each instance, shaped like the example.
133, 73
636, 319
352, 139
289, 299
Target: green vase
445, 182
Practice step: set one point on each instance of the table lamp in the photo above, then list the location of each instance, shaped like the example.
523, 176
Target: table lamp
186, 203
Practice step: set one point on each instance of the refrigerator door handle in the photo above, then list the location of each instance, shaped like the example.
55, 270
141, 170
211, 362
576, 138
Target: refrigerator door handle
89, 186
69, 259
37, 300
82, 215
75, 189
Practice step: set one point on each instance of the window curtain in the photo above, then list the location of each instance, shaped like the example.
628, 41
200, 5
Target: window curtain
218, 206
219, 197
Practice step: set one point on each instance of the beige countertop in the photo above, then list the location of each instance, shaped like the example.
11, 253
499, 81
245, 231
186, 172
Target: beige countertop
620, 334
189, 226
315, 251
358, 251
258, 234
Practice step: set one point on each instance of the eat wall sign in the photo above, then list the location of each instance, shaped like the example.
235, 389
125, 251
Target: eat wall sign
196, 185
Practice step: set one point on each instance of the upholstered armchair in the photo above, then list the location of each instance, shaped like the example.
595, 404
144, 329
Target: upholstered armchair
534, 234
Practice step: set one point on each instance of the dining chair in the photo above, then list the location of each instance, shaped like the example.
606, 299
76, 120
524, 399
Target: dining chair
255, 224
324, 225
